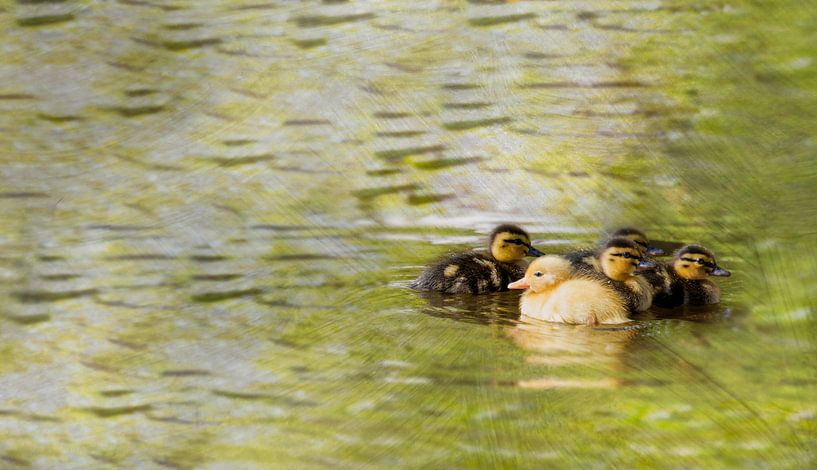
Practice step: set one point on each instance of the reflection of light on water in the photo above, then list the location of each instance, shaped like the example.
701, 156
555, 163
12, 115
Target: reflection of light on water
549, 383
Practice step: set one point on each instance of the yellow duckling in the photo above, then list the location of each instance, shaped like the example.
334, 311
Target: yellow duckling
684, 280
620, 260
555, 293
476, 272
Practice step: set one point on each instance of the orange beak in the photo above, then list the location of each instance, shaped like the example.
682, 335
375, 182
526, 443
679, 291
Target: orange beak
520, 284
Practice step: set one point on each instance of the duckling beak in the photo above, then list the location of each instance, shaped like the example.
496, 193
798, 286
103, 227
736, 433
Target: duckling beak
654, 251
644, 263
719, 271
534, 252
520, 284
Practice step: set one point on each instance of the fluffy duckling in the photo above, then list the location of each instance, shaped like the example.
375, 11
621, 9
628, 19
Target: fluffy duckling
618, 259
584, 258
684, 280
556, 293
476, 272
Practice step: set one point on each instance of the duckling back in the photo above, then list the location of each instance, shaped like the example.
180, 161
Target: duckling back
469, 273
583, 260
585, 301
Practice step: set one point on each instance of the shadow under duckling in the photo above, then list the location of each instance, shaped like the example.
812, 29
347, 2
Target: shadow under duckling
476, 272
684, 280
554, 292
586, 258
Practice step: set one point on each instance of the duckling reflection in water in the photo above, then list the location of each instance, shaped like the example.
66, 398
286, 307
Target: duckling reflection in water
684, 280
482, 309
476, 272
576, 357
557, 292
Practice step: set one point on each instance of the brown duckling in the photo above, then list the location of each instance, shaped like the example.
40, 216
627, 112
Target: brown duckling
621, 260
555, 292
684, 280
476, 272
618, 260
584, 258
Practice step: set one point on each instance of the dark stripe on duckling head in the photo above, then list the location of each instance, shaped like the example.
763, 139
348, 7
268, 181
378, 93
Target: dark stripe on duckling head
701, 261
620, 242
513, 229
627, 231
694, 250
639, 237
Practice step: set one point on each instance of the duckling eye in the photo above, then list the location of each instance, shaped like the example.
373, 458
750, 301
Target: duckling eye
538, 274
700, 261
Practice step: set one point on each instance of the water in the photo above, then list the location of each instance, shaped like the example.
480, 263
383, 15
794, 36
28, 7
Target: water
209, 212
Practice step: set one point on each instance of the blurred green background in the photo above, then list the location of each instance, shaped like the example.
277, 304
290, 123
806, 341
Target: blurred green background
210, 211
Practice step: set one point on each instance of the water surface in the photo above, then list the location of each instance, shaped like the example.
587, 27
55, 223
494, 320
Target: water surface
210, 212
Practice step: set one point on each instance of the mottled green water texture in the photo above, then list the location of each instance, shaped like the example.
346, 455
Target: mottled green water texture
210, 211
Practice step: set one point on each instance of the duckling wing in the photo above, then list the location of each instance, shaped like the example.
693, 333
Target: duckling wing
467, 273
636, 294
587, 301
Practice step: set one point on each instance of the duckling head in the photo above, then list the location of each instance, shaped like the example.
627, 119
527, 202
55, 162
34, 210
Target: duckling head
509, 243
544, 273
620, 257
695, 262
640, 238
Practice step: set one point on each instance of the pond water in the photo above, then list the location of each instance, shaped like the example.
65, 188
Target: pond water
210, 212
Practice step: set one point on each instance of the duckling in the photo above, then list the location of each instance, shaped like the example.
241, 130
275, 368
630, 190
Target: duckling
620, 259
684, 280
585, 258
556, 293
476, 272
617, 260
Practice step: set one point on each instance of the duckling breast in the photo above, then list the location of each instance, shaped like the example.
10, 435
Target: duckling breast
703, 292
641, 293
